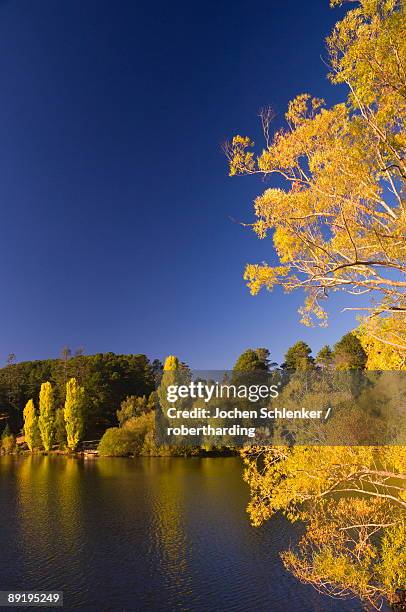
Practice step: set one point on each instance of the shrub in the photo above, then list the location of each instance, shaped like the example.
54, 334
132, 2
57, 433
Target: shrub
136, 435
140, 425
116, 442
134, 406
8, 442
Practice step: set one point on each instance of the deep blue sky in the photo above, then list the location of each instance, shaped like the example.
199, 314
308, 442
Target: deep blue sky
115, 200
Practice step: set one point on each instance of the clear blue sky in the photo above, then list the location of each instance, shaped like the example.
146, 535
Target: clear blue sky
115, 200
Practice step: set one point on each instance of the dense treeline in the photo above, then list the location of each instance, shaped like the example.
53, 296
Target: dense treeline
107, 379
118, 388
135, 434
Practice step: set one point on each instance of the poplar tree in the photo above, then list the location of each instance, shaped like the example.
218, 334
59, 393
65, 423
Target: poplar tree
30, 425
73, 413
46, 420
171, 363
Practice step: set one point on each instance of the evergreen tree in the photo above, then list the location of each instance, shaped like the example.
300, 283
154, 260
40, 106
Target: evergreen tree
249, 361
251, 368
60, 428
157, 368
264, 359
298, 357
6, 431
46, 420
349, 354
324, 357
73, 413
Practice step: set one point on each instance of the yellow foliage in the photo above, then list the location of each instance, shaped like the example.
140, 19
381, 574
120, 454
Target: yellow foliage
339, 223
73, 413
242, 161
384, 341
171, 363
335, 221
263, 276
353, 502
30, 424
46, 420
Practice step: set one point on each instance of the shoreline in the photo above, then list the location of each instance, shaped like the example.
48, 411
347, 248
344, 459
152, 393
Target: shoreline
95, 455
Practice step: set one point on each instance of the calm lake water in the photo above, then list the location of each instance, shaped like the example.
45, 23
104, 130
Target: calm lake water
144, 534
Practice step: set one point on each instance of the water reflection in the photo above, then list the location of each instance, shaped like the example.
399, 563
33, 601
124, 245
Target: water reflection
145, 534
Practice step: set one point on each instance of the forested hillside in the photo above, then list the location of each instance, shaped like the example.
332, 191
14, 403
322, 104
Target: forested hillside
107, 378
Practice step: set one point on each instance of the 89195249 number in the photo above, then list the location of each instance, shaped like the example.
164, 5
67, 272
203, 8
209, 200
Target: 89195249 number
50, 599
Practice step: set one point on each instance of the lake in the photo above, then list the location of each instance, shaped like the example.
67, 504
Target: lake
144, 534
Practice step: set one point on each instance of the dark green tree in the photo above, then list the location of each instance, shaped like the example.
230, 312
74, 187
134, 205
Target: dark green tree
325, 357
60, 429
264, 357
66, 354
298, 357
249, 361
12, 381
157, 368
349, 354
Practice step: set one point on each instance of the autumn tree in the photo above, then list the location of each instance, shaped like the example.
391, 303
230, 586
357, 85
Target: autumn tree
338, 220
31, 432
382, 341
175, 373
46, 420
171, 363
171, 375
73, 413
353, 503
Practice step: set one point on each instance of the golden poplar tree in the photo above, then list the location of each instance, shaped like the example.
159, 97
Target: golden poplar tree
30, 424
73, 413
172, 375
46, 420
171, 363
